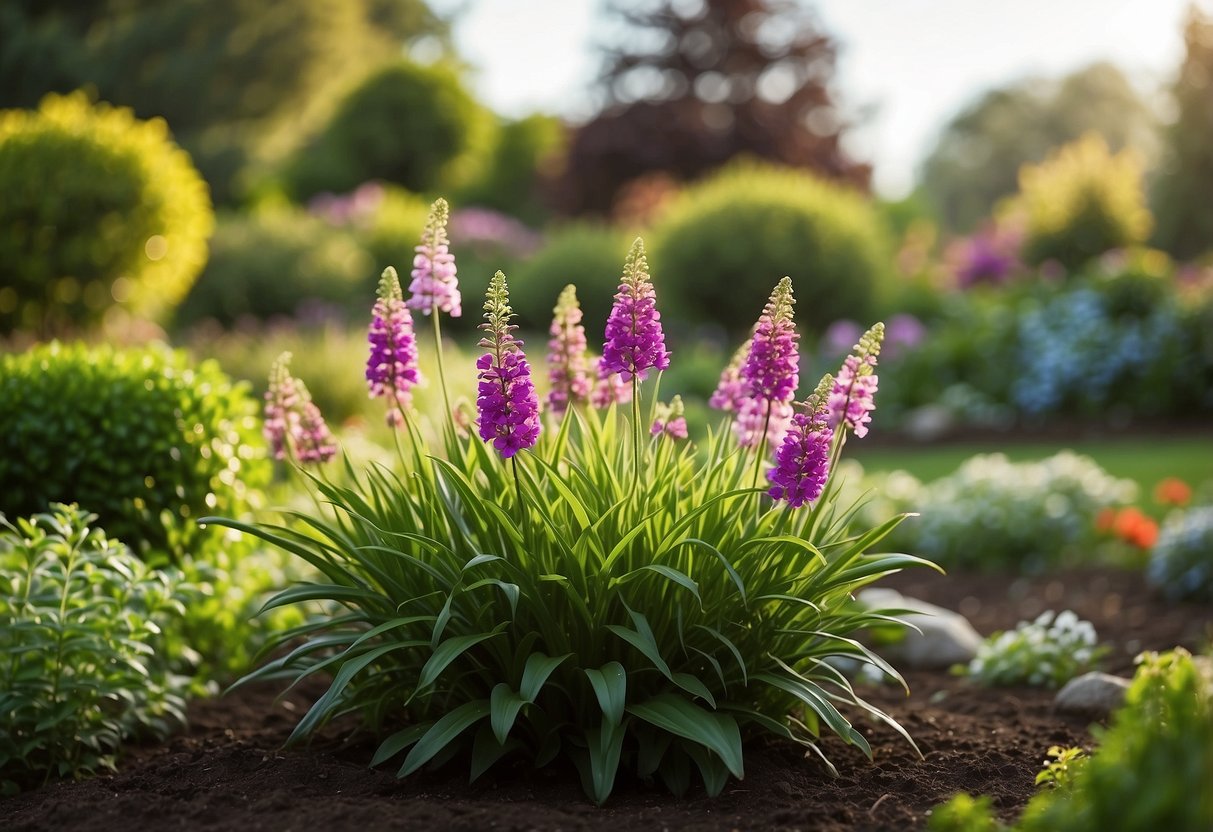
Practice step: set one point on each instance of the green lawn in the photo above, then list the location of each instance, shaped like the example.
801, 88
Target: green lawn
1146, 460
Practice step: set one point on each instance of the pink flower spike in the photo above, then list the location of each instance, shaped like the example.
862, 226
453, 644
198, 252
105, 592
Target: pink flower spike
852, 398
635, 342
434, 287
506, 398
568, 364
391, 368
671, 420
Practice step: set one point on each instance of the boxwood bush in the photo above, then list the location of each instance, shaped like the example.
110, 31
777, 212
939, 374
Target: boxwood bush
272, 264
144, 439
724, 237
99, 207
412, 125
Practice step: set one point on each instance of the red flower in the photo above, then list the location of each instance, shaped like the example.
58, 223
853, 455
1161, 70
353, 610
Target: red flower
1172, 492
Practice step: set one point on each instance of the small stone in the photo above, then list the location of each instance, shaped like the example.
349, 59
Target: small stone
1092, 694
946, 638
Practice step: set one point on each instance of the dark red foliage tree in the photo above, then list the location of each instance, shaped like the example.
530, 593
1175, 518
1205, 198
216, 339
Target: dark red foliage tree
689, 84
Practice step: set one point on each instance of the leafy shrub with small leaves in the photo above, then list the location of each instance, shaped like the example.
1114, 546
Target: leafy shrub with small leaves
1181, 563
412, 125
99, 208
1047, 652
142, 437
1151, 768
86, 665
1082, 201
996, 514
751, 221
275, 264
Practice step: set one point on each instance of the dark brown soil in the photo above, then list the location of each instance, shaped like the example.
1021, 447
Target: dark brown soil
229, 771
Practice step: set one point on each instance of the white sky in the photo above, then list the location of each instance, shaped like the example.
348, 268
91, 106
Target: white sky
905, 65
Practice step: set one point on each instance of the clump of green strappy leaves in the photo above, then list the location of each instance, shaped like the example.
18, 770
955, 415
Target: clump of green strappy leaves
563, 609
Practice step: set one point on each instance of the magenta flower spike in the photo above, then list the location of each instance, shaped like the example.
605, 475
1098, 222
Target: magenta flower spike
609, 389
506, 398
671, 420
635, 342
852, 399
771, 369
293, 423
731, 392
391, 369
434, 287
568, 364
802, 463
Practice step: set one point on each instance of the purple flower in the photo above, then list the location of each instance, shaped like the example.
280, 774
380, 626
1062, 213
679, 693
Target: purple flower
506, 399
568, 365
609, 389
391, 369
851, 400
771, 367
434, 286
990, 256
731, 391
904, 332
752, 417
671, 420
802, 463
313, 442
839, 336
635, 342
293, 424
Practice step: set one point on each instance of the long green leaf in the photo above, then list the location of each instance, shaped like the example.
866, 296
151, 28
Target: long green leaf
715, 731
443, 732
610, 684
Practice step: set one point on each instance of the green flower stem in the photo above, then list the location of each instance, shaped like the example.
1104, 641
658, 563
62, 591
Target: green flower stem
448, 417
636, 427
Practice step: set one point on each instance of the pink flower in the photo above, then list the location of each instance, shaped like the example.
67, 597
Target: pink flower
852, 398
609, 389
568, 365
293, 423
434, 286
635, 342
670, 420
506, 398
391, 369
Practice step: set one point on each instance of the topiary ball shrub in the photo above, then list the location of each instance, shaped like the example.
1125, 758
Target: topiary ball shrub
723, 238
145, 440
99, 208
1081, 202
271, 264
412, 125
583, 253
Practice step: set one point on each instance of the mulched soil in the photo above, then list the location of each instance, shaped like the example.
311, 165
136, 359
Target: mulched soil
229, 771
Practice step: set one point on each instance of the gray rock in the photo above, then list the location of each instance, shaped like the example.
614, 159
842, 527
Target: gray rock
1092, 694
946, 637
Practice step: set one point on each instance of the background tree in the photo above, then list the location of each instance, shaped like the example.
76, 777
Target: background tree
235, 80
690, 85
1184, 207
977, 159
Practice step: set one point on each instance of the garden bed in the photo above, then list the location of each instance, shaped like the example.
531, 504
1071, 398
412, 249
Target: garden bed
229, 770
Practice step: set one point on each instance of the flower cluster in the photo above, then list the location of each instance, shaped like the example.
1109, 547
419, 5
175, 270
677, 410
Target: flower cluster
1181, 565
1047, 652
802, 463
568, 364
609, 389
434, 286
771, 368
671, 420
852, 399
731, 390
1130, 524
506, 399
293, 423
635, 342
391, 369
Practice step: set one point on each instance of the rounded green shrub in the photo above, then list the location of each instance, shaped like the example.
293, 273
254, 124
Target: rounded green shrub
590, 256
412, 125
526, 150
271, 264
145, 440
725, 240
1082, 201
98, 208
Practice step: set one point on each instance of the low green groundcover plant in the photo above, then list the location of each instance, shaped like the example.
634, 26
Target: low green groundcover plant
1151, 769
1047, 652
583, 585
85, 663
